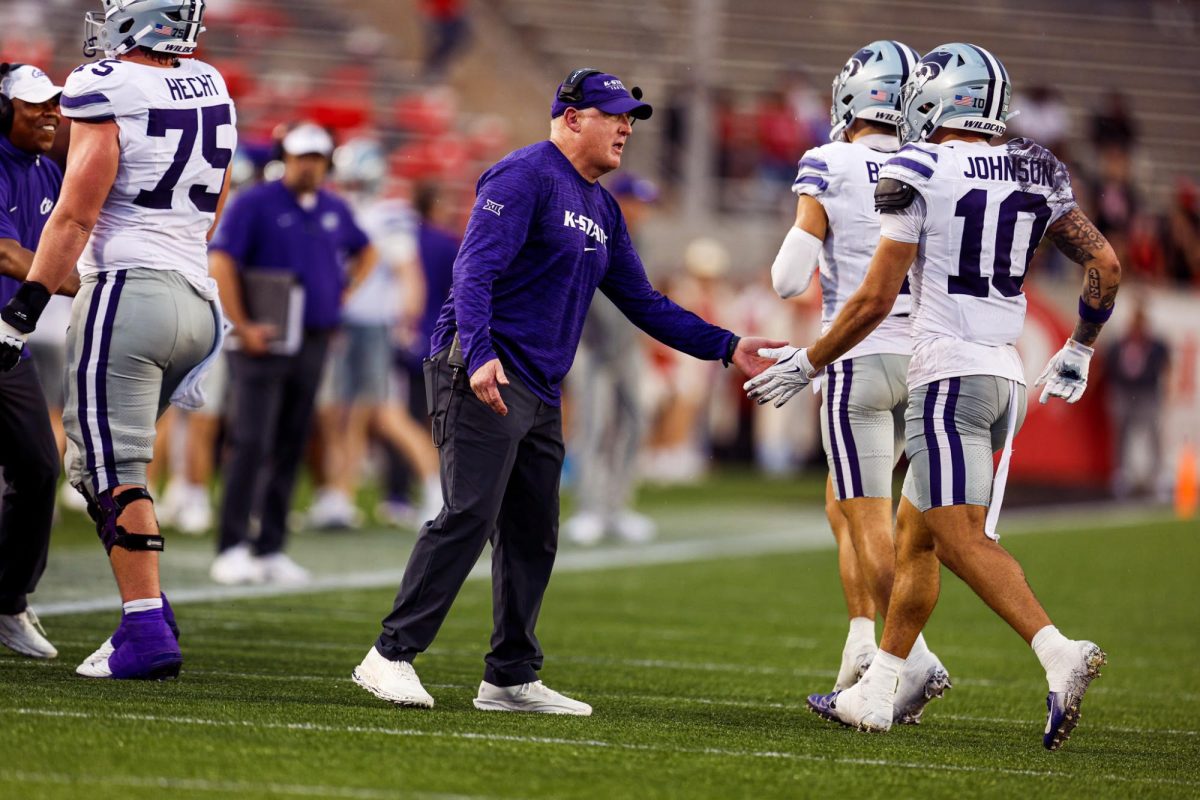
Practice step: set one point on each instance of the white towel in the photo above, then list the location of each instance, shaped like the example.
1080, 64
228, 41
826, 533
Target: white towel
1001, 478
189, 395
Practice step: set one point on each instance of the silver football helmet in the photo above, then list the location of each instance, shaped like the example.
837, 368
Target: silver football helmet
868, 87
959, 86
164, 26
361, 164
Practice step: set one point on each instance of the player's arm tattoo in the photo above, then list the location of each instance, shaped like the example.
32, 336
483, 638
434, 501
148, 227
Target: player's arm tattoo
1077, 238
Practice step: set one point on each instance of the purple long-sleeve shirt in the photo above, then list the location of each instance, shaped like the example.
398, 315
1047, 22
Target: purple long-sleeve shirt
540, 241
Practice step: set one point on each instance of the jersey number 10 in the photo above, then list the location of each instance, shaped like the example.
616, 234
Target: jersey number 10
972, 207
188, 121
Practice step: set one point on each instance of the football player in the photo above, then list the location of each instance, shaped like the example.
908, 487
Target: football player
145, 181
865, 390
970, 215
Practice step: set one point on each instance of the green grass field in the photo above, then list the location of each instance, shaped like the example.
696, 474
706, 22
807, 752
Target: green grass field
696, 655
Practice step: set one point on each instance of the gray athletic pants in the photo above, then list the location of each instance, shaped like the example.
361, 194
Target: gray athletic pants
500, 482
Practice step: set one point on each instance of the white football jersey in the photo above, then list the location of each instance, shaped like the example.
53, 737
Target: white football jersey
979, 216
391, 226
177, 134
842, 177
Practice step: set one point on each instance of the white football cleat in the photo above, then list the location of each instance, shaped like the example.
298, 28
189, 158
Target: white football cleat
533, 697
24, 634
855, 661
393, 681
96, 665
862, 706
919, 684
194, 514
236, 565
280, 569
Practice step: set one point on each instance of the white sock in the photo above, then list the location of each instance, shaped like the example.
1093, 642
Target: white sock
919, 649
1056, 654
884, 672
148, 604
862, 630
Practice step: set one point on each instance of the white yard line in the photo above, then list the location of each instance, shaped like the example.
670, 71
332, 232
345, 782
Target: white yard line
572, 561
220, 787
308, 727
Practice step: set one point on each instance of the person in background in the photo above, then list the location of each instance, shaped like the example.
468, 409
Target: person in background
29, 188
293, 225
607, 420
1137, 371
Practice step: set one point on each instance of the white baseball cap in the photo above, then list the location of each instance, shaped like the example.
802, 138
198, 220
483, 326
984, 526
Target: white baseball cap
28, 83
306, 139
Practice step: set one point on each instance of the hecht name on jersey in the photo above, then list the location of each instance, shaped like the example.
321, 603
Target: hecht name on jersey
585, 224
193, 87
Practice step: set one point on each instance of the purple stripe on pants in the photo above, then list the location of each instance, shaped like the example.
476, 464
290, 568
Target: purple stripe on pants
105, 432
81, 379
847, 432
931, 443
958, 465
830, 393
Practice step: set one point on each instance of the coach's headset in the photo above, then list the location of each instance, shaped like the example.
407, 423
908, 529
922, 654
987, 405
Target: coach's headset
571, 90
6, 106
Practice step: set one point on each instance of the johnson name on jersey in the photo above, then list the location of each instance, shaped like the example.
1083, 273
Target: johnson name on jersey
842, 176
177, 134
978, 216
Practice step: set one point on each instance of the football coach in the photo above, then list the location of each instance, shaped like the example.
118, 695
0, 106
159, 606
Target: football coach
542, 237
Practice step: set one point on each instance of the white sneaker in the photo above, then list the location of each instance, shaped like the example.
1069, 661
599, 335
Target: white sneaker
236, 566
278, 568
634, 528
855, 661
585, 529
174, 498
333, 510
24, 634
919, 684
535, 697
394, 681
193, 515
96, 665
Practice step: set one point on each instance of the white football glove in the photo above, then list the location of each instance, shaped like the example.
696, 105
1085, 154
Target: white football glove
1066, 374
791, 372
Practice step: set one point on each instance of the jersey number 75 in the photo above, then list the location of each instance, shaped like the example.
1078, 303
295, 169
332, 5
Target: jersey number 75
189, 122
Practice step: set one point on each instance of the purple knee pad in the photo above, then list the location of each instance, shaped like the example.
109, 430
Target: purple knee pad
106, 508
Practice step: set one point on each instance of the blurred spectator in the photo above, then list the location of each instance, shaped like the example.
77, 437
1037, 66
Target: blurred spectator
437, 247
607, 421
680, 388
780, 137
288, 226
446, 23
1112, 126
1137, 369
382, 311
1181, 254
1043, 118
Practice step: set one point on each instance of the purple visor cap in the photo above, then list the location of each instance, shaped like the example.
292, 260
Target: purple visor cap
605, 92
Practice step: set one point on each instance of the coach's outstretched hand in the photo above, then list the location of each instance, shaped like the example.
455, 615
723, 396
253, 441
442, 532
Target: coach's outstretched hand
790, 373
486, 382
748, 355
